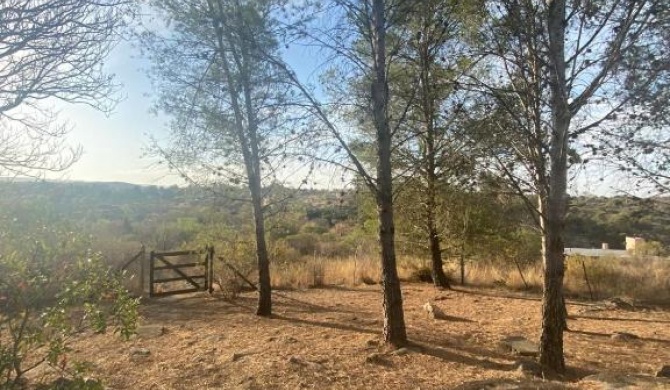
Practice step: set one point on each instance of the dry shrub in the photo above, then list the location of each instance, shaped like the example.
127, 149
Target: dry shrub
317, 272
321, 271
637, 278
646, 279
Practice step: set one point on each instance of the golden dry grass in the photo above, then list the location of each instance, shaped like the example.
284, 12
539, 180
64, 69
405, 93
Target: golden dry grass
636, 278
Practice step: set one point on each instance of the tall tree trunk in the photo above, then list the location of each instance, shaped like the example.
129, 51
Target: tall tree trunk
428, 107
439, 277
264, 290
553, 304
437, 271
248, 138
394, 319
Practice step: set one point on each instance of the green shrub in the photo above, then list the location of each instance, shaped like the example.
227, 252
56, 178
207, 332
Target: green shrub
47, 294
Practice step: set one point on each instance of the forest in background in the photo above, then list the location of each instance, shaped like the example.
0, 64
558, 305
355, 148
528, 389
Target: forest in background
118, 218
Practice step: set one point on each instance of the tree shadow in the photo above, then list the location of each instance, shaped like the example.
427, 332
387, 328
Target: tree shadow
310, 307
324, 324
621, 319
608, 335
511, 295
504, 383
447, 354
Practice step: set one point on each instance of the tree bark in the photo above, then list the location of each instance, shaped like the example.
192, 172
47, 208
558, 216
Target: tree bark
553, 304
264, 290
394, 320
245, 112
439, 277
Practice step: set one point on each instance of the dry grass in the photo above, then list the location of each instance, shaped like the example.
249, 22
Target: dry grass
347, 271
323, 339
635, 278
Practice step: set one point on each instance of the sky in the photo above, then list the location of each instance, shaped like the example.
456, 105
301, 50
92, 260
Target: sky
114, 145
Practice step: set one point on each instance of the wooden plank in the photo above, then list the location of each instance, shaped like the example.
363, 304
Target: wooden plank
175, 292
151, 274
210, 269
178, 278
177, 253
179, 272
238, 273
182, 265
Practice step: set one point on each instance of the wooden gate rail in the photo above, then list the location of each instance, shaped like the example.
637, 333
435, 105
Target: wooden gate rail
199, 282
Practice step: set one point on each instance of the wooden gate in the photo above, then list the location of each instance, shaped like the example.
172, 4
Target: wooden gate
177, 272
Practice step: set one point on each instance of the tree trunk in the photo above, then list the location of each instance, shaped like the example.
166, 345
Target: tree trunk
264, 290
394, 319
462, 264
553, 304
439, 277
248, 138
551, 340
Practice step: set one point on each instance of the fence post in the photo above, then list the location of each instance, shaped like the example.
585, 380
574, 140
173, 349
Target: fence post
210, 268
142, 269
151, 274
586, 277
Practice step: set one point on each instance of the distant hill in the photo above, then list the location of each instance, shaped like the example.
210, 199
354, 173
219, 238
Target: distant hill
591, 220
595, 220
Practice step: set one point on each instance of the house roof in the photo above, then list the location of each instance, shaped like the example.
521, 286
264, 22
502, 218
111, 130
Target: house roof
595, 252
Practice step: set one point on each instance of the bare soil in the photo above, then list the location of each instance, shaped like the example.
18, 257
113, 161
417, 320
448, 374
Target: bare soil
330, 338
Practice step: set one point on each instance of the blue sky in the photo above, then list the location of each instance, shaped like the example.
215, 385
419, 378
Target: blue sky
114, 144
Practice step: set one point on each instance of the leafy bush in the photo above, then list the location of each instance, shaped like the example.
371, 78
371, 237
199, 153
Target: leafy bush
47, 294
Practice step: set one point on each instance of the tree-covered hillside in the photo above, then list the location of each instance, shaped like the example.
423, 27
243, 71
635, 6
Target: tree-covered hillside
121, 217
596, 220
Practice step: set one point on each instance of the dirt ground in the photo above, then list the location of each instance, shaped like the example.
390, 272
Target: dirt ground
330, 339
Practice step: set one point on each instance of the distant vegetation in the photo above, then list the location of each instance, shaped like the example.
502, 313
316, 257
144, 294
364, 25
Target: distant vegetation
595, 220
118, 218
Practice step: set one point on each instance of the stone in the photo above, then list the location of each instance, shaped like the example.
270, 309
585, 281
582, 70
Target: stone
139, 354
375, 358
528, 367
664, 372
608, 380
520, 346
623, 336
150, 331
235, 356
372, 343
400, 352
296, 360
618, 303
434, 312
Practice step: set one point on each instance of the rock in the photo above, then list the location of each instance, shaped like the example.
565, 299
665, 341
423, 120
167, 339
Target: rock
235, 356
375, 358
150, 331
434, 312
623, 336
296, 360
613, 381
139, 354
528, 367
618, 303
290, 340
664, 372
372, 343
400, 352
520, 345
